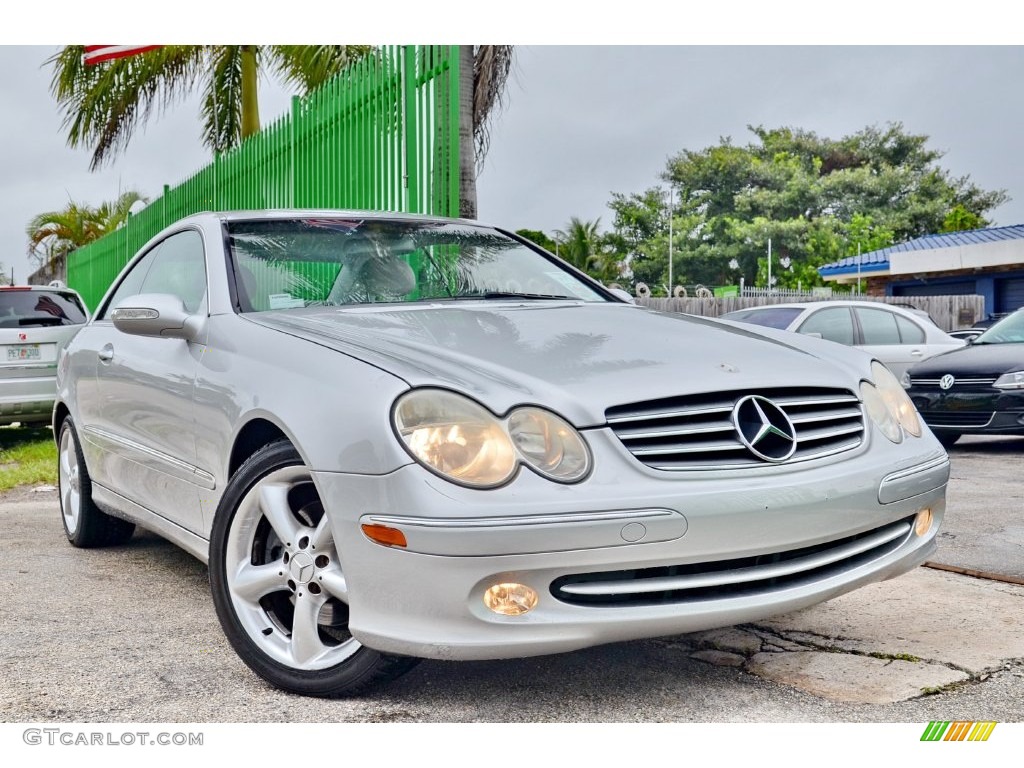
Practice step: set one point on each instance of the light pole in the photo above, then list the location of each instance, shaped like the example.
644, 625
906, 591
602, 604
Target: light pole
671, 200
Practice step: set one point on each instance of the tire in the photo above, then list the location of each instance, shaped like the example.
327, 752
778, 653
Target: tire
278, 586
84, 524
948, 438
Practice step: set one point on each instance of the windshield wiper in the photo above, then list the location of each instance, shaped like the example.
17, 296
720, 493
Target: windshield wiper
515, 295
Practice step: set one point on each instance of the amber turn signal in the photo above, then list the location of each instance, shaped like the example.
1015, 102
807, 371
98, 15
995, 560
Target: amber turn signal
382, 534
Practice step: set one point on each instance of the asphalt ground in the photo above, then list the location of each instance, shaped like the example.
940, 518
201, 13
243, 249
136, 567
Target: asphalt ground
129, 634
984, 526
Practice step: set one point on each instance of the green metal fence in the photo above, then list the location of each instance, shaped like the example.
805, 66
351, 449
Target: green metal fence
383, 135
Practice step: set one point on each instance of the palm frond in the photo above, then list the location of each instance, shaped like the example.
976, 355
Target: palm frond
492, 65
104, 103
222, 98
307, 67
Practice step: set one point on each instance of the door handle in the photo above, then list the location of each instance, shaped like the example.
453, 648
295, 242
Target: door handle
107, 353
916, 353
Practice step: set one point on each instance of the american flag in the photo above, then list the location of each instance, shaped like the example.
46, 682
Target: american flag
94, 54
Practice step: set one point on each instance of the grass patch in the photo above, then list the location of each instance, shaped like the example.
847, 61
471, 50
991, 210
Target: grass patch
28, 456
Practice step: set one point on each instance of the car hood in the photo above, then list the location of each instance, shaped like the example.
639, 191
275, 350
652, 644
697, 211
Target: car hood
577, 358
973, 360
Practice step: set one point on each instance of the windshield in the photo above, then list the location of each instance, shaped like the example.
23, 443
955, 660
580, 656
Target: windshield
1009, 330
22, 308
292, 263
770, 317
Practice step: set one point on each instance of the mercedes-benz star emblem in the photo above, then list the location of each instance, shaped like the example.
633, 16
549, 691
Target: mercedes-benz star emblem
764, 428
947, 381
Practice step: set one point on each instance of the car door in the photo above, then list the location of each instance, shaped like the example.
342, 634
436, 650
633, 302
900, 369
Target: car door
831, 323
145, 420
896, 341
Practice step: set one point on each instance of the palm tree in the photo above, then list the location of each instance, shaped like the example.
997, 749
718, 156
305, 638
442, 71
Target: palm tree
103, 105
479, 96
579, 242
54, 234
582, 245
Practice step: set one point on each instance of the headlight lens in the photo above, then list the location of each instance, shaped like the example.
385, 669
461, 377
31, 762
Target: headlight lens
1013, 380
455, 437
462, 441
549, 444
879, 412
888, 404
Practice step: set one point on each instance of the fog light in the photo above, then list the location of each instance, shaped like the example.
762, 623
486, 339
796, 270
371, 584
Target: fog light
510, 599
923, 522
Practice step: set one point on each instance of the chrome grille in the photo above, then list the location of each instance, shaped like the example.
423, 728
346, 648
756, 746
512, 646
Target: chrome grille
697, 431
740, 577
959, 385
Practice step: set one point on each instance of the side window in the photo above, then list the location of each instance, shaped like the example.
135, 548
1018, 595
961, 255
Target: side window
878, 326
132, 283
180, 270
834, 324
910, 332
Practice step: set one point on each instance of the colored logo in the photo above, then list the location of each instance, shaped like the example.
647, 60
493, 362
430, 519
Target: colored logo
958, 730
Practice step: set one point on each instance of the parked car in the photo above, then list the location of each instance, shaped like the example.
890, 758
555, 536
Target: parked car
36, 322
978, 389
969, 334
397, 437
896, 336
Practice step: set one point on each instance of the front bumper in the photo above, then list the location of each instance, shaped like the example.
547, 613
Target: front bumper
624, 523
991, 412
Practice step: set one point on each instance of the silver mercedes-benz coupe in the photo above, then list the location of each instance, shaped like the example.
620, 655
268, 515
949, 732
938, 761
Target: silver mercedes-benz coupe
396, 437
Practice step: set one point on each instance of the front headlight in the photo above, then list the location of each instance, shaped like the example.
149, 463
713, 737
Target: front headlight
888, 404
1012, 380
462, 441
549, 444
455, 437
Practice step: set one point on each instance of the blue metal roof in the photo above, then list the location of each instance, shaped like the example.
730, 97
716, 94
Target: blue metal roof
875, 261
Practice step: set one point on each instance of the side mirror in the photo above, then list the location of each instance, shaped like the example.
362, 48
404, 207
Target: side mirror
156, 314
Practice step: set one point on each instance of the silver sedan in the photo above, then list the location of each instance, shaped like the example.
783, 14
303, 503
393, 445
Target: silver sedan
397, 437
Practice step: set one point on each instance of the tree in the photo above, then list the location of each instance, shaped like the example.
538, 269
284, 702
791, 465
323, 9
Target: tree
539, 238
54, 234
479, 96
104, 104
815, 198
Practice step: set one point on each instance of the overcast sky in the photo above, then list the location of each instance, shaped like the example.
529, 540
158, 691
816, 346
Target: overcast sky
581, 122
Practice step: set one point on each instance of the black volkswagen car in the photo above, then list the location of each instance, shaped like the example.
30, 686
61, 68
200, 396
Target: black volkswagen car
977, 389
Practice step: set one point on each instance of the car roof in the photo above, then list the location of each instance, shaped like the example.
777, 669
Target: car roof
299, 213
835, 303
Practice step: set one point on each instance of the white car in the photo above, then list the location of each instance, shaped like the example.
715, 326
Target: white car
36, 323
897, 337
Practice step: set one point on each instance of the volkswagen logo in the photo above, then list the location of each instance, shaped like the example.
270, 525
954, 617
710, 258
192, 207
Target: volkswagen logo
947, 381
764, 428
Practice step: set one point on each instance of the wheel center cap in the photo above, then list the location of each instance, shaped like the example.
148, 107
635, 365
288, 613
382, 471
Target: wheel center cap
301, 567
73, 480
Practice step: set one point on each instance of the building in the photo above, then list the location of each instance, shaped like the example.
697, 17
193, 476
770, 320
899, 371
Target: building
988, 262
